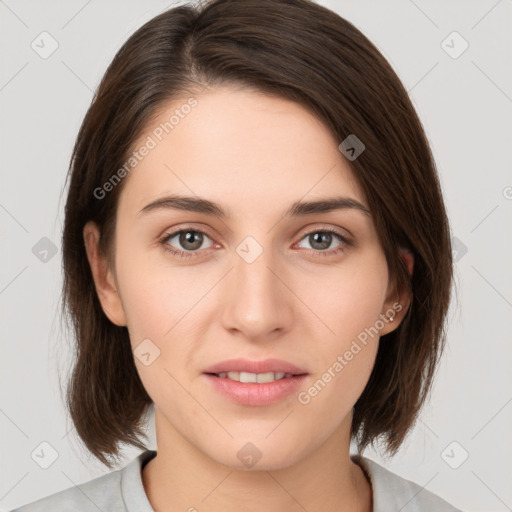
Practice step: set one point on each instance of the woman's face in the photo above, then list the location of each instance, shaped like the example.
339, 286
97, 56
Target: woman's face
265, 281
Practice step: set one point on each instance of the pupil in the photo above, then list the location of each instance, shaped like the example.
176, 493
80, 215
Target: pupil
188, 238
323, 239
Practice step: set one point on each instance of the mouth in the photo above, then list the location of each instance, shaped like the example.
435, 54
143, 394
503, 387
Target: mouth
260, 378
247, 370
255, 383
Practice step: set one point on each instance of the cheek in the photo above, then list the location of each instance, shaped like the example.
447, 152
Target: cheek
161, 318
149, 306
350, 305
155, 296
351, 299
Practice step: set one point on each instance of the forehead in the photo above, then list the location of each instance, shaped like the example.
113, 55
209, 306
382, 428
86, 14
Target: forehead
241, 148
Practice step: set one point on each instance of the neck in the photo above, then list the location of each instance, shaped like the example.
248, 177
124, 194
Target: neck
180, 477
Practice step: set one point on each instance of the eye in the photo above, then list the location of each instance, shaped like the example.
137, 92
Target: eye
321, 240
191, 240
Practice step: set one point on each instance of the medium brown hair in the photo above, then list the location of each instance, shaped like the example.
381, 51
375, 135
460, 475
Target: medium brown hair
297, 50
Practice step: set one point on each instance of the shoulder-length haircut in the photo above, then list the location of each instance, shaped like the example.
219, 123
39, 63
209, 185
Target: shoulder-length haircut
297, 50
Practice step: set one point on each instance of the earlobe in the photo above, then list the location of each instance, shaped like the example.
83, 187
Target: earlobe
398, 303
104, 281
408, 259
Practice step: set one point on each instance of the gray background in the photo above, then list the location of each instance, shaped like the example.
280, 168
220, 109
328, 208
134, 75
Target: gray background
465, 104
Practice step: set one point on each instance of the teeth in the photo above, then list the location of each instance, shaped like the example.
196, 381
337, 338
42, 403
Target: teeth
260, 378
244, 376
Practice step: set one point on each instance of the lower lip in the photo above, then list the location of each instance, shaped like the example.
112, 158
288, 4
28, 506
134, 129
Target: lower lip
253, 393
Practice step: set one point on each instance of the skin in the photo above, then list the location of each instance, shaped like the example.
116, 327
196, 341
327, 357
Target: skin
254, 155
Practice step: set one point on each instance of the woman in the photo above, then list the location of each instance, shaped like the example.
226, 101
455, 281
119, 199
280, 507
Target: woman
255, 242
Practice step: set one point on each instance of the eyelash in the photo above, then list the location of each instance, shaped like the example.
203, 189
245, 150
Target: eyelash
190, 254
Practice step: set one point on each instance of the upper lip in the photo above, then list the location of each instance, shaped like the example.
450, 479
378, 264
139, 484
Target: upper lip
263, 366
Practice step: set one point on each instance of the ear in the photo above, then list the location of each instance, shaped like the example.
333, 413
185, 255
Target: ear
397, 301
103, 276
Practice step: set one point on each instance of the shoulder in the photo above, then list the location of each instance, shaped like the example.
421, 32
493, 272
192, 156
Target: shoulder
116, 492
392, 492
103, 493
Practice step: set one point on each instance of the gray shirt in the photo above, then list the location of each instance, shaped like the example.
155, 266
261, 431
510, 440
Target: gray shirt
123, 491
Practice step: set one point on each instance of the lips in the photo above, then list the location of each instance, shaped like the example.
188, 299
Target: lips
249, 366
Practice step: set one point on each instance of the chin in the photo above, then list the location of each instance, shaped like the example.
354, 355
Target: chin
256, 455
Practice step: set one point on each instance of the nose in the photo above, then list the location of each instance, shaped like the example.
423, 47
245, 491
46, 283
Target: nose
258, 304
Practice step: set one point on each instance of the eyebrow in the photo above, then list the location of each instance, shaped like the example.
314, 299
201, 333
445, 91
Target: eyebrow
297, 209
